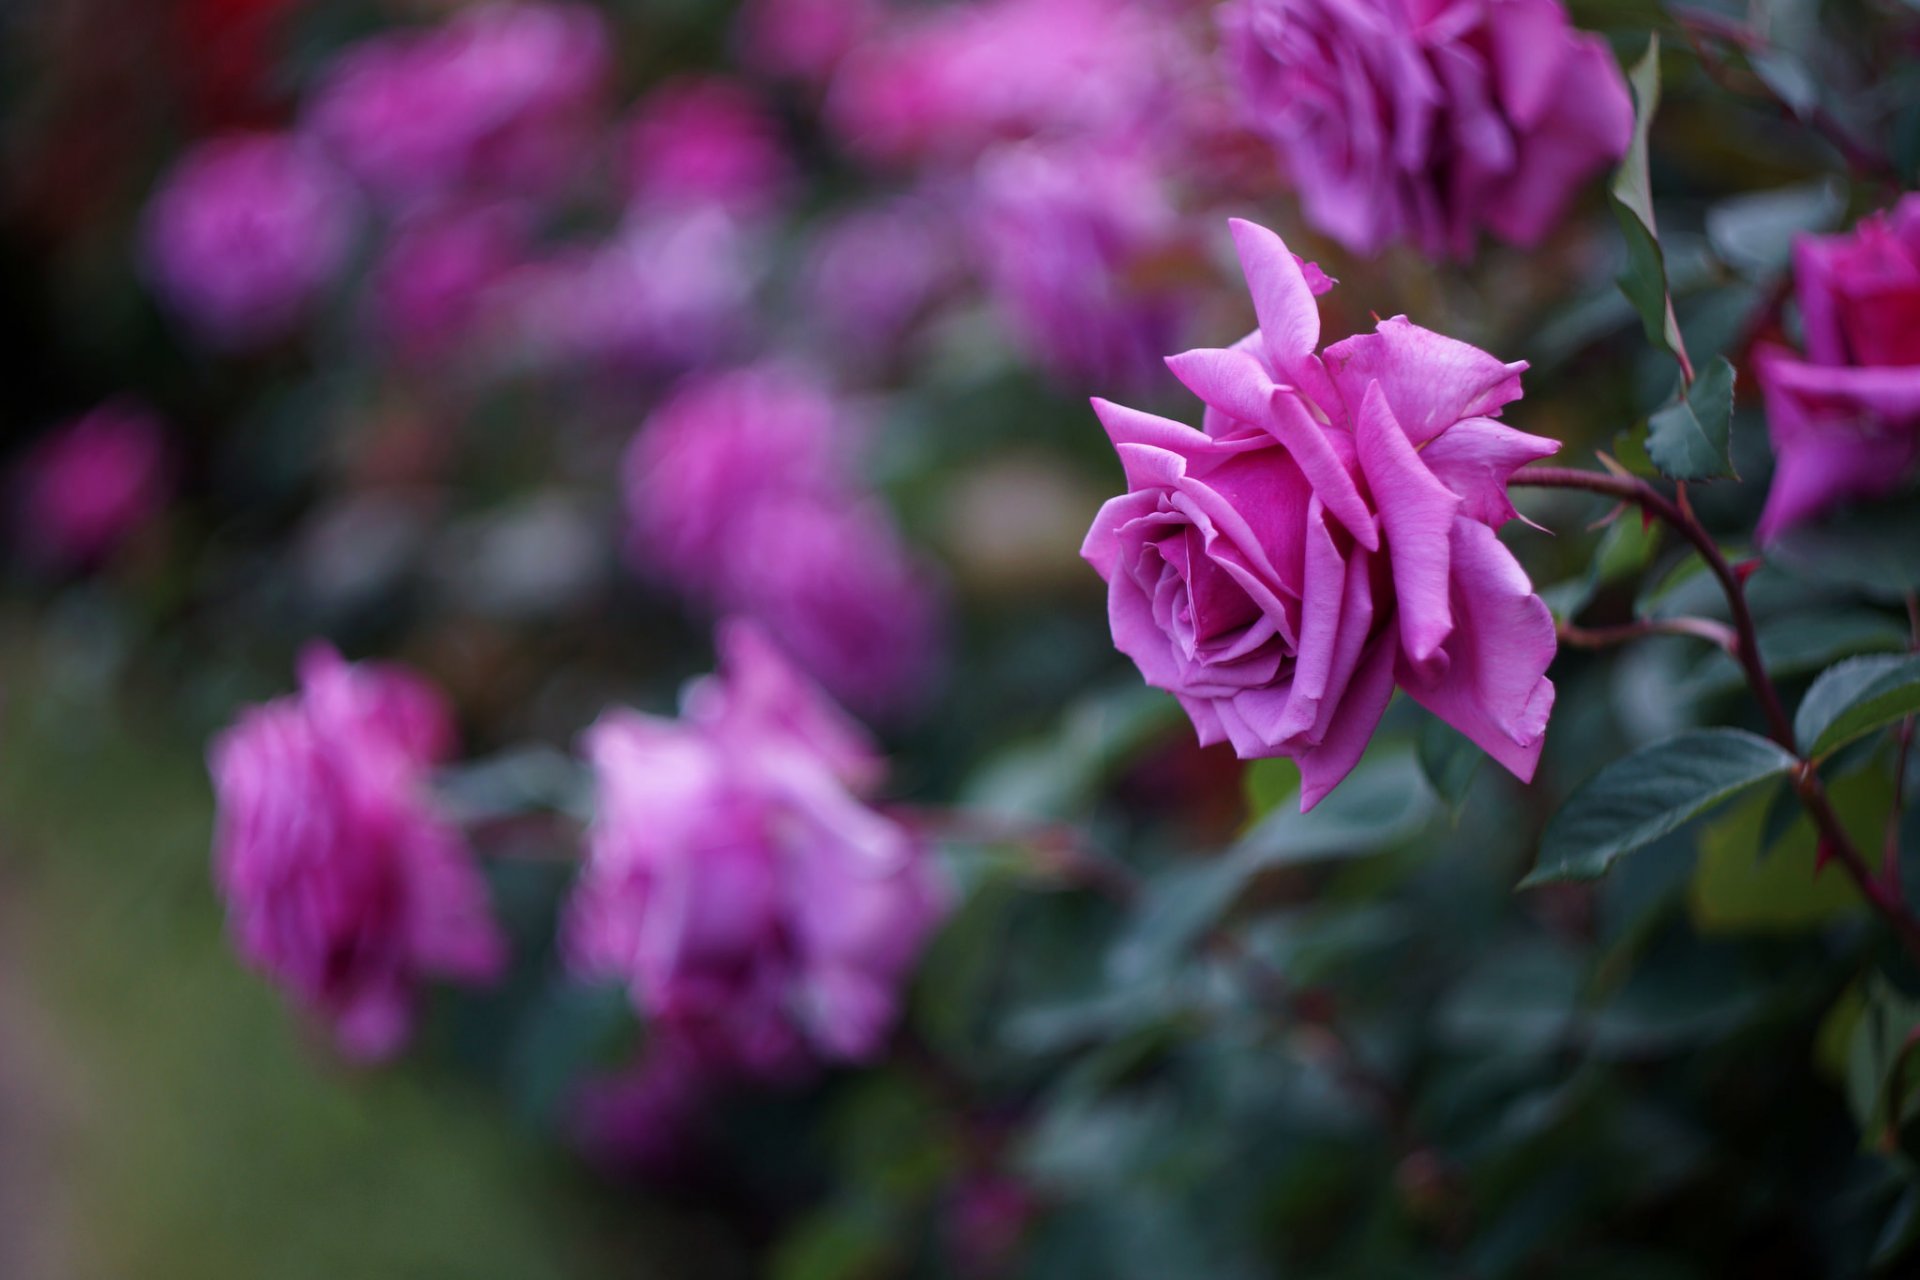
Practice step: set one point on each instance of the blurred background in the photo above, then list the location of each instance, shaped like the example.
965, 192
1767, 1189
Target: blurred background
386, 323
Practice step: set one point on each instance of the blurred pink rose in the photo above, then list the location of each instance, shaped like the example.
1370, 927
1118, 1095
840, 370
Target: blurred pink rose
93, 484
742, 493
1429, 121
1328, 535
1075, 243
433, 283
1845, 419
343, 882
503, 99
756, 907
644, 1119
872, 273
944, 83
706, 141
244, 234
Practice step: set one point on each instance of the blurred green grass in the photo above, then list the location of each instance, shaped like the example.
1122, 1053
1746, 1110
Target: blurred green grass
198, 1132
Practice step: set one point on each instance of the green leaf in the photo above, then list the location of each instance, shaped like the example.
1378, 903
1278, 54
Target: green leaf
1883, 1072
1636, 800
1448, 759
1645, 279
1691, 439
1798, 645
1380, 804
1901, 1230
1854, 698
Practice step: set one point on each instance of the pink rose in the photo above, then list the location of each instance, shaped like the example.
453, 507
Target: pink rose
343, 882
801, 39
1327, 536
93, 484
502, 99
1845, 419
752, 902
1429, 121
244, 234
706, 141
439, 275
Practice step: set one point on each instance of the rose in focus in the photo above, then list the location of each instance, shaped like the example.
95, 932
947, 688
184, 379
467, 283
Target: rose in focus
1328, 535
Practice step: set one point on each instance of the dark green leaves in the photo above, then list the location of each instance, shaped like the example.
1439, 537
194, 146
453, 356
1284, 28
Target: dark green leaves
1636, 800
1691, 438
1854, 698
1645, 279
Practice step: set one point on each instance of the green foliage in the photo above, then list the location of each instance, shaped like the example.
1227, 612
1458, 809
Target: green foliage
1635, 800
1855, 698
1691, 439
1645, 279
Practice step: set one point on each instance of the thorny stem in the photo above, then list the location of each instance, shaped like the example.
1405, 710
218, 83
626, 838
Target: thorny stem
1890, 853
1882, 892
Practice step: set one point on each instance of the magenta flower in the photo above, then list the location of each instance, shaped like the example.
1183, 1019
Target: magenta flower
94, 483
244, 234
503, 99
643, 1119
948, 82
1845, 419
1068, 238
706, 141
344, 884
1328, 535
740, 494
755, 906
1429, 122
435, 284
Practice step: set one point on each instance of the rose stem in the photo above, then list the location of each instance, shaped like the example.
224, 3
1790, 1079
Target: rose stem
1677, 512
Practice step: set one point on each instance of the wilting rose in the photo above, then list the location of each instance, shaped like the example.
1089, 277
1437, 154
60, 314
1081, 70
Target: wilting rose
1432, 122
1845, 419
502, 99
343, 882
244, 234
92, 484
1328, 535
709, 141
736, 881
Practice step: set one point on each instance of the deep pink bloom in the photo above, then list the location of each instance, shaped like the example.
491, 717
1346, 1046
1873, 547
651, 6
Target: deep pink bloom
502, 99
1845, 419
1429, 120
92, 484
343, 882
434, 284
945, 83
706, 140
244, 234
742, 494
1071, 240
752, 902
1328, 535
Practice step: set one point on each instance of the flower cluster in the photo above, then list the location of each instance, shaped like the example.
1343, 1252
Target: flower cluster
1328, 534
344, 882
1845, 418
757, 910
